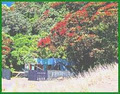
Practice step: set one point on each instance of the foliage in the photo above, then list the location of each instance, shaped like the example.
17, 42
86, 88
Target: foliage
84, 33
13, 22
89, 34
24, 48
6, 43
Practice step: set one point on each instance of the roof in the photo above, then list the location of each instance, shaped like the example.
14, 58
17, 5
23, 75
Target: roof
52, 61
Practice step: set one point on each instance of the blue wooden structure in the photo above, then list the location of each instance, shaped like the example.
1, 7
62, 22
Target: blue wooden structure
48, 69
53, 62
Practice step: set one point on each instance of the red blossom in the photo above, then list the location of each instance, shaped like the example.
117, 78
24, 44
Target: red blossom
96, 14
53, 5
54, 34
92, 35
70, 34
47, 40
71, 44
103, 9
60, 27
67, 16
60, 24
101, 3
84, 20
40, 42
108, 13
63, 31
73, 29
93, 3
108, 6
82, 13
46, 13
79, 27
80, 38
88, 4
5, 50
44, 41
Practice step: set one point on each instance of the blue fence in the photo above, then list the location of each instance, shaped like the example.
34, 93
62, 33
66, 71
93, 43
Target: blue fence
35, 75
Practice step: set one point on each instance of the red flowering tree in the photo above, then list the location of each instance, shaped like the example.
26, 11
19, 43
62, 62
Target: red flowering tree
6, 41
88, 34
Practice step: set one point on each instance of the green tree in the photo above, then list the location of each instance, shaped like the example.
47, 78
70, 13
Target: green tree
25, 48
13, 22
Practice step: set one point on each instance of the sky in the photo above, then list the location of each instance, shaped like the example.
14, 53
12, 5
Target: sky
8, 3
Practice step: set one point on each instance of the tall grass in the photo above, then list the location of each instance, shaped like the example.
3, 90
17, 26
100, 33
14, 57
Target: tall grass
100, 79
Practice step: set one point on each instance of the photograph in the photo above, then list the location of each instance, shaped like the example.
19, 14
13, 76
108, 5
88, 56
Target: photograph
59, 46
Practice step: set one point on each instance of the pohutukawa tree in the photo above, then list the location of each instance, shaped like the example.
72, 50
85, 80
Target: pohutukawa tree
88, 34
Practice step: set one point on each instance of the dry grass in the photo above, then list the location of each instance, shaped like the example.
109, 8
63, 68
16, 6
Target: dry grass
98, 80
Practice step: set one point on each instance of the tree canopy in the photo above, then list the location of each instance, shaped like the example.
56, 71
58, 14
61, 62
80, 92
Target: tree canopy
84, 33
